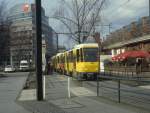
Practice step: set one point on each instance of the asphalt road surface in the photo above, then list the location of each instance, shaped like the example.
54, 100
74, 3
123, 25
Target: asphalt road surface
10, 87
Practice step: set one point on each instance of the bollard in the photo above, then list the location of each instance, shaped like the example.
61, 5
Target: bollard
69, 94
97, 86
44, 87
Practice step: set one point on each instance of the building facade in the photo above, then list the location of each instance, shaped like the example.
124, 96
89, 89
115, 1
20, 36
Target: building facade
4, 44
135, 36
23, 34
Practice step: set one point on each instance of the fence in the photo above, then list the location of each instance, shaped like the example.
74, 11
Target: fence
128, 68
118, 87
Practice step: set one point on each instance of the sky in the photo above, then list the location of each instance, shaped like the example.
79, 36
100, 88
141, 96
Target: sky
123, 12
117, 12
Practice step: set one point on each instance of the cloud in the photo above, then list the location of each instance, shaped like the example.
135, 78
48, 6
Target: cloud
117, 12
123, 12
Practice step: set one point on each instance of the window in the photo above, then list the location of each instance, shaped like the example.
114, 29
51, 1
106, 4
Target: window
88, 52
81, 53
78, 55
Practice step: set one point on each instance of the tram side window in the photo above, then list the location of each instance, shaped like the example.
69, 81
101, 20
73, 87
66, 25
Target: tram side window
67, 58
81, 53
63, 59
78, 55
58, 59
71, 56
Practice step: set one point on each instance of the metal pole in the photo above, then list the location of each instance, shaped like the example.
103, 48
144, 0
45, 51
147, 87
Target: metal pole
119, 91
69, 94
97, 39
39, 51
44, 88
110, 26
149, 9
98, 69
93, 24
97, 85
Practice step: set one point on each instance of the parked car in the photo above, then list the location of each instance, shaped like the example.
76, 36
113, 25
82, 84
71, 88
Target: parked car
9, 68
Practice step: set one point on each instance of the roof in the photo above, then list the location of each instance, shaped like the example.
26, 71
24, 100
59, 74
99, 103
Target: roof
86, 45
58, 54
131, 54
132, 41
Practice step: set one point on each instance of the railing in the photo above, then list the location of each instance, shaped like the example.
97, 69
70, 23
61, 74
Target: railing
109, 86
119, 74
128, 68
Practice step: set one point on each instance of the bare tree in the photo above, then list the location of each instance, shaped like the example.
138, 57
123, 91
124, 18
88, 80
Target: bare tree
80, 16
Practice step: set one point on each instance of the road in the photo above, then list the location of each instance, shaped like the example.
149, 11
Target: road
10, 87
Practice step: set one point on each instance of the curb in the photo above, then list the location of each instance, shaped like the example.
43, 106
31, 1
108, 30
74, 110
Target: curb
16, 100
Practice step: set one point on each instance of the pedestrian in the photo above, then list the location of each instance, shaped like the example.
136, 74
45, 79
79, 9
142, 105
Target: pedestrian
50, 69
47, 69
138, 66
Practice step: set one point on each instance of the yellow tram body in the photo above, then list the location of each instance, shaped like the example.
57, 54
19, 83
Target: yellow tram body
80, 62
58, 62
85, 60
54, 63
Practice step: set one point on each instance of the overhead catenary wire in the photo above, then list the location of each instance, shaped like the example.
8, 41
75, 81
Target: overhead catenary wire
113, 11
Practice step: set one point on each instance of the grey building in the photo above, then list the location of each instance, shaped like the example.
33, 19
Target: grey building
22, 32
4, 44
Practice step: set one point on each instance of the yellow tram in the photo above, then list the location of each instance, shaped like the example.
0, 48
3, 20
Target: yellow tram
80, 62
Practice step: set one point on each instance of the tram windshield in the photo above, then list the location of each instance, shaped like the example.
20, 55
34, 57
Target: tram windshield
90, 54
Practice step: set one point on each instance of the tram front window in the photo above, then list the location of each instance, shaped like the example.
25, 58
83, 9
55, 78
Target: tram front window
90, 54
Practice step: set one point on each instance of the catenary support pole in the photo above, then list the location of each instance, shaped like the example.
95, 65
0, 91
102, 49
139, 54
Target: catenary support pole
98, 70
39, 51
98, 40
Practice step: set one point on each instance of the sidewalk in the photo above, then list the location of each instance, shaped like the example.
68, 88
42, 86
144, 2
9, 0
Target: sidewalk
82, 99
